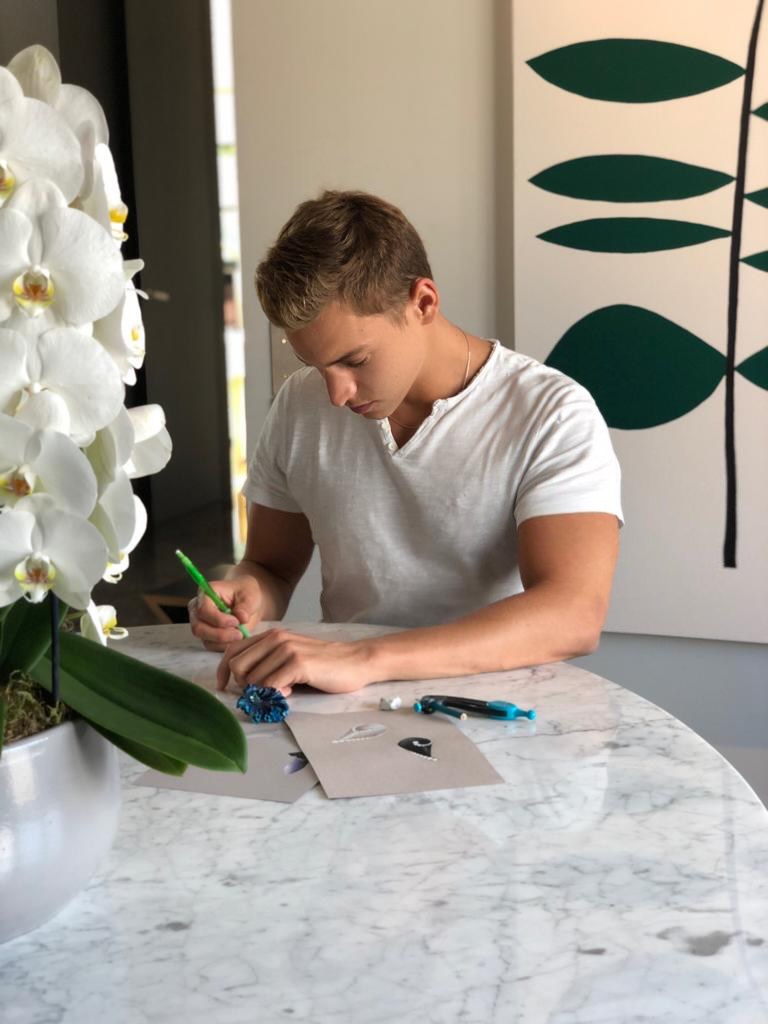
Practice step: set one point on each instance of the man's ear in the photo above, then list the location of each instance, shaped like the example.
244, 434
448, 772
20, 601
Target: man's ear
425, 299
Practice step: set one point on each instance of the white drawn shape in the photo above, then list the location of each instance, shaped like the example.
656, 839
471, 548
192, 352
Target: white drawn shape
362, 732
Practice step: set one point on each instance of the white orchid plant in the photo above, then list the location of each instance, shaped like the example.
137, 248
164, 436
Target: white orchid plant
71, 339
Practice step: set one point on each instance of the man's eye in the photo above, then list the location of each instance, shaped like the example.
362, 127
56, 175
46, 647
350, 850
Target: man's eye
360, 362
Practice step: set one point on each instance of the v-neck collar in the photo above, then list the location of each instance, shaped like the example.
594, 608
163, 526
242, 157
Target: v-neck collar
439, 408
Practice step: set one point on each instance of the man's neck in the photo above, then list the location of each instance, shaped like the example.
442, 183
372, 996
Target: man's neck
452, 358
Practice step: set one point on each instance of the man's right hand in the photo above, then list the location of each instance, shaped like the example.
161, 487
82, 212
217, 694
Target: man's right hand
218, 629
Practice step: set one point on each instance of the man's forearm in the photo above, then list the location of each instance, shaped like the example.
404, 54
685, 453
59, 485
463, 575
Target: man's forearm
276, 592
541, 625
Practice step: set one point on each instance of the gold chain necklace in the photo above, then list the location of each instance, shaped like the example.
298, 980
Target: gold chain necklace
463, 385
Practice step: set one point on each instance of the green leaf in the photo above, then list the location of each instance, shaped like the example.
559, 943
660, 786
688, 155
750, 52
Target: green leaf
762, 112
755, 368
641, 368
760, 197
151, 758
631, 234
623, 178
147, 705
634, 70
759, 260
26, 635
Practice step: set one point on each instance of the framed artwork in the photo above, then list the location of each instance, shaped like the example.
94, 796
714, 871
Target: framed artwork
641, 270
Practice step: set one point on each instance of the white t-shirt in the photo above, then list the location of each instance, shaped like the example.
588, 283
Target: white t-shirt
423, 534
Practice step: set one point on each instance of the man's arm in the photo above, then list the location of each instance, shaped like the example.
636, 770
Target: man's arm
566, 565
278, 548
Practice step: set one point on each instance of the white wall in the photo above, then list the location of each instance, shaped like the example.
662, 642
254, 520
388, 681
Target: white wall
388, 96
412, 101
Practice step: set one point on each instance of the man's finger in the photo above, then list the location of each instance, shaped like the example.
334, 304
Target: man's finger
260, 667
213, 634
234, 647
210, 646
206, 611
260, 644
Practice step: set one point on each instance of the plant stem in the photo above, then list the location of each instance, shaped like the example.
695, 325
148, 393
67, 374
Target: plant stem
729, 543
54, 648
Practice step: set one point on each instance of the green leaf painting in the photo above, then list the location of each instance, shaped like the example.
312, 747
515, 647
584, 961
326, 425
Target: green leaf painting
755, 368
624, 178
760, 197
758, 260
642, 369
634, 70
631, 234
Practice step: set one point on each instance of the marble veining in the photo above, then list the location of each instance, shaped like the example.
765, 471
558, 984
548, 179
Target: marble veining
619, 875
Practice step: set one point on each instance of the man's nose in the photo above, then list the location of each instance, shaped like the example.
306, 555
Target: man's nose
340, 385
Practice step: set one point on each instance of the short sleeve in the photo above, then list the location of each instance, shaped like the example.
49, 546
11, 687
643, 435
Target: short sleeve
267, 483
572, 466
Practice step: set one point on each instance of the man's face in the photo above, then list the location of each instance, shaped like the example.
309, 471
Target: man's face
368, 362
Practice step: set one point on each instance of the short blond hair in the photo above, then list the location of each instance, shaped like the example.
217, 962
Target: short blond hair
346, 247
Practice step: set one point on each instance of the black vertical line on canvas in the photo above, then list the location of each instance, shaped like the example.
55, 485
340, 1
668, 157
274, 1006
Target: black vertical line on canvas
729, 543
54, 605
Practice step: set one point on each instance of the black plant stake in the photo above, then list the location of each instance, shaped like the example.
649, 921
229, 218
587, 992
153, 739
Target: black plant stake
54, 604
729, 544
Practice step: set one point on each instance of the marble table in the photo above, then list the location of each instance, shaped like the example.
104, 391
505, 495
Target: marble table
620, 874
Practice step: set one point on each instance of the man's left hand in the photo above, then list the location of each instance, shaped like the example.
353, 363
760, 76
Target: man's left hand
282, 659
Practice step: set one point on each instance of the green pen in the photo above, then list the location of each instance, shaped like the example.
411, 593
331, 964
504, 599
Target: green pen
206, 588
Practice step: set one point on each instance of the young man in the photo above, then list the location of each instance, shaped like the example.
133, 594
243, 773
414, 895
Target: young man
454, 487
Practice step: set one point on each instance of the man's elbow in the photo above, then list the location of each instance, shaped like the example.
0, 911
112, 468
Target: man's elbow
588, 622
588, 644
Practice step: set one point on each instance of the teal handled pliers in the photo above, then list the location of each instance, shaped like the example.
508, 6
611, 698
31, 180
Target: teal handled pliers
459, 707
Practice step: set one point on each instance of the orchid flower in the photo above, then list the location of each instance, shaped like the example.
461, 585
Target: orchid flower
63, 380
71, 337
99, 623
136, 441
35, 142
115, 515
43, 547
119, 515
121, 332
114, 571
103, 201
34, 461
38, 76
9, 86
111, 449
52, 256
152, 442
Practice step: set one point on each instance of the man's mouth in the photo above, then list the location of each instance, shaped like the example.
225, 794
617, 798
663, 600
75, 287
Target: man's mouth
361, 408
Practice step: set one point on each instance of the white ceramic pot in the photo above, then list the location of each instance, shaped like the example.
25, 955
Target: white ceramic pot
59, 812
